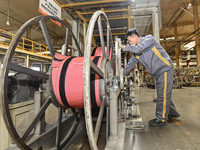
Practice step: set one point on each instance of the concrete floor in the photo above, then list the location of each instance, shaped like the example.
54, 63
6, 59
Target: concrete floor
180, 134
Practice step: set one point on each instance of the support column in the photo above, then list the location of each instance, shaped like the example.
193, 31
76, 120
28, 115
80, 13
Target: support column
177, 46
156, 34
129, 17
155, 24
27, 64
75, 31
196, 26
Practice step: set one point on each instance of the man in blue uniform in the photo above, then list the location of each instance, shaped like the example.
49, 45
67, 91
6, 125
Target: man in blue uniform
155, 59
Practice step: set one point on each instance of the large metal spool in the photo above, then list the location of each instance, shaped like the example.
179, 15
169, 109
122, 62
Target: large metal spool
24, 138
101, 70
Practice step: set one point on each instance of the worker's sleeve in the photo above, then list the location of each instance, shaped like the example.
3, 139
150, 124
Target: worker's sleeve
143, 47
132, 62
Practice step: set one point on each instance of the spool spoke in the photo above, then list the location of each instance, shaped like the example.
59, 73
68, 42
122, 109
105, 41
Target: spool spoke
99, 120
96, 69
28, 71
36, 119
108, 41
58, 128
46, 36
101, 36
72, 130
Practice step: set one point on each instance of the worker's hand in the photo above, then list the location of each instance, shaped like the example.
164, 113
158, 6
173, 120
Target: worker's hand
123, 47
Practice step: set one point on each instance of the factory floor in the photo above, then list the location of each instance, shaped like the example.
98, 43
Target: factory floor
180, 134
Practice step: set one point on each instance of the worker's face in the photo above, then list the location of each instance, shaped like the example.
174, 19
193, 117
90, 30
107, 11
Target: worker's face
133, 40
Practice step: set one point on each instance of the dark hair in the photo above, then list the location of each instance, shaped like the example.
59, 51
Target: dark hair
131, 32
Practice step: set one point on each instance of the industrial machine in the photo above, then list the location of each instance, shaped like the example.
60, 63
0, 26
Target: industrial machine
72, 83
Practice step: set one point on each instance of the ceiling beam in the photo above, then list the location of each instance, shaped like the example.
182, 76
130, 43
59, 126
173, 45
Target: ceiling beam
172, 35
90, 3
106, 11
112, 34
185, 23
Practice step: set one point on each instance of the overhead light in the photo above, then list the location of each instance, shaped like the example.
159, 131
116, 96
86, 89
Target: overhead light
8, 23
189, 5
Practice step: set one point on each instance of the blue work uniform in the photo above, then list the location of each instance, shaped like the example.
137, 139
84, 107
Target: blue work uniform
159, 65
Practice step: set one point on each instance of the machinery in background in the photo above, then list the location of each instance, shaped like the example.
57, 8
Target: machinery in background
21, 87
178, 79
191, 76
182, 77
150, 81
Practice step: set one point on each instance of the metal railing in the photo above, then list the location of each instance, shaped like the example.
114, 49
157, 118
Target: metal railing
24, 44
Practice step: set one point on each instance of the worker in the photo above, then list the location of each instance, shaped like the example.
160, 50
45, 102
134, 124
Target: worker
155, 59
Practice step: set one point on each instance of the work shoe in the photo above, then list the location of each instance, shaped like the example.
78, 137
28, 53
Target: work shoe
156, 123
173, 116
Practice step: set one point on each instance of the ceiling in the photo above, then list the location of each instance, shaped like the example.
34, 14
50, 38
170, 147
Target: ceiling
172, 13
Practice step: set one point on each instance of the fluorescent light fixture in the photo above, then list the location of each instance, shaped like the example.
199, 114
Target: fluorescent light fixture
190, 45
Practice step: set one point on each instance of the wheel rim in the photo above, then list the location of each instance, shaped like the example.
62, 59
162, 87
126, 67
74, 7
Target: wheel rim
93, 135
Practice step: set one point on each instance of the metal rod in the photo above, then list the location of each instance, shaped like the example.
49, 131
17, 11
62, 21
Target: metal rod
106, 11
46, 36
108, 41
36, 119
114, 93
96, 69
73, 127
107, 122
187, 11
99, 120
66, 43
28, 71
112, 34
59, 128
101, 36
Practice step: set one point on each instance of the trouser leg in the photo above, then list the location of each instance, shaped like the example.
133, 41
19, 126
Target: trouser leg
164, 85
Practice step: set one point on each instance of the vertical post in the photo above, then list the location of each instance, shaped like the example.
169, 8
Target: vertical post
28, 35
129, 17
58, 131
156, 33
23, 44
27, 64
176, 48
125, 63
155, 24
75, 32
196, 26
114, 93
38, 97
